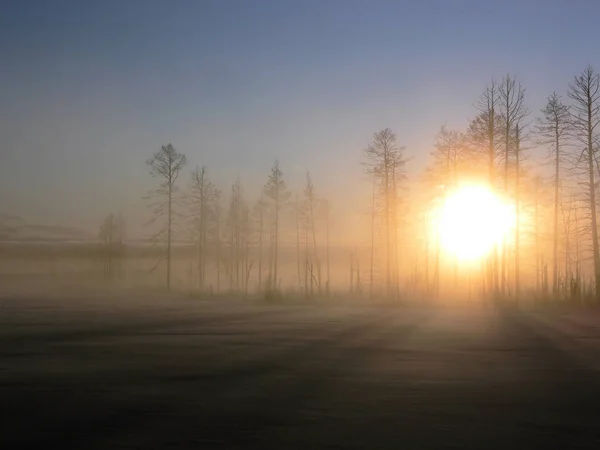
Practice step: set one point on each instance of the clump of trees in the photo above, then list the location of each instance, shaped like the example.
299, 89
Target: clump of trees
555, 211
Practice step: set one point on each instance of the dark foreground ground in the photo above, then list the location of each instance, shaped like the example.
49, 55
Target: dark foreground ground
173, 374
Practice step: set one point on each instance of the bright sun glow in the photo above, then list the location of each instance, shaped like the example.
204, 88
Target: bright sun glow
472, 220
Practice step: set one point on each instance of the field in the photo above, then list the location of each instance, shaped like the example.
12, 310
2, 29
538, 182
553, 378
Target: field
133, 369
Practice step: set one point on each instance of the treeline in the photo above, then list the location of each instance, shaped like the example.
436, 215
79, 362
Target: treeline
553, 249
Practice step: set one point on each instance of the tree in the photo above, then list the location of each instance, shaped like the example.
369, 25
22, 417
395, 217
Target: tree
166, 164
450, 150
277, 197
111, 235
518, 137
485, 130
585, 118
484, 133
553, 128
201, 196
217, 212
326, 208
512, 110
236, 222
310, 208
385, 161
259, 219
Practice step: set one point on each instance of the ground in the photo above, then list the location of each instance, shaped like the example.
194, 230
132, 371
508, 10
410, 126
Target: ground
151, 373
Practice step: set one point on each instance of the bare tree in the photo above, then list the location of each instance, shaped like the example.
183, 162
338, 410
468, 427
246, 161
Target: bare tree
237, 227
585, 118
553, 128
310, 206
326, 205
201, 200
111, 235
518, 137
385, 161
512, 110
450, 149
166, 164
372, 259
217, 211
259, 218
484, 133
278, 196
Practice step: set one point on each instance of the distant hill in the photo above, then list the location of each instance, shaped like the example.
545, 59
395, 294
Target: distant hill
14, 228
9, 226
52, 232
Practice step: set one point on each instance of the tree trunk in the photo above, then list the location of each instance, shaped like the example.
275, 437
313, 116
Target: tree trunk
298, 244
276, 244
517, 216
537, 239
555, 237
592, 188
260, 235
372, 241
327, 249
491, 160
169, 224
306, 259
387, 228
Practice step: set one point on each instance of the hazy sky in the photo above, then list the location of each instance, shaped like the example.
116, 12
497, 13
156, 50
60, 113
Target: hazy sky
88, 90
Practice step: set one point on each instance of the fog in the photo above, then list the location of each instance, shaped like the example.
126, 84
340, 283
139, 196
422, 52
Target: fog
299, 225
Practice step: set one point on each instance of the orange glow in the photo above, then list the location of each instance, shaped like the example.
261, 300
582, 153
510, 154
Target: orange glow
471, 221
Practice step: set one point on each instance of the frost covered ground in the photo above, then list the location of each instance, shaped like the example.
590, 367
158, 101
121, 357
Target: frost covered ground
114, 370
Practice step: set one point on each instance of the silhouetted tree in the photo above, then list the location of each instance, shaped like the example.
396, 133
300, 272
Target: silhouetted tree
484, 133
386, 161
236, 223
310, 208
217, 215
166, 164
111, 236
553, 128
512, 110
201, 199
585, 118
276, 198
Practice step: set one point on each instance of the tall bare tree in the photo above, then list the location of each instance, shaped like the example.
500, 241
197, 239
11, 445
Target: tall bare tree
166, 164
512, 110
277, 197
450, 149
259, 219
111, 236
553, 128
385, 160
311, 202
326, 206
237, 228
217, 212
485, 133
585, 120
201, 201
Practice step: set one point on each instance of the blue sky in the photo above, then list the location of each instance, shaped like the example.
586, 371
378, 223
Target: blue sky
90, 89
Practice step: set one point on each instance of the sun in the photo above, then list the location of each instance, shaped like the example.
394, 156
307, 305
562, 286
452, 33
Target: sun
472, 220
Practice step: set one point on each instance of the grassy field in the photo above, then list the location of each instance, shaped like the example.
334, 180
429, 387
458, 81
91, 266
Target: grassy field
108, 369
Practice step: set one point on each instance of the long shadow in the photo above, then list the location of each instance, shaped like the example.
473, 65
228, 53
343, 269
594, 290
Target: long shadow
273, 392
12, 340
71, 423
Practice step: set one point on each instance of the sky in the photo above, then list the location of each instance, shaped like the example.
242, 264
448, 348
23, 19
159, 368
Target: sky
89, 90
